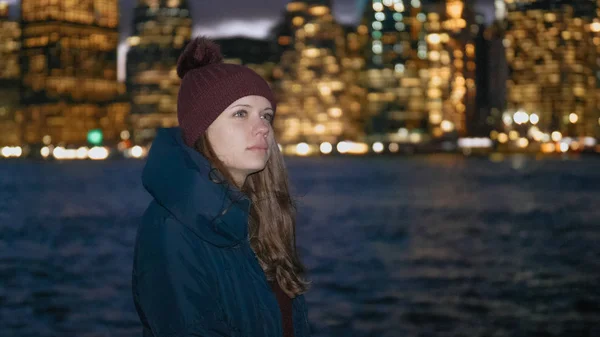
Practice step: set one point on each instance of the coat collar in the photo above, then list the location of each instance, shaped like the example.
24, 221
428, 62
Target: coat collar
183, 181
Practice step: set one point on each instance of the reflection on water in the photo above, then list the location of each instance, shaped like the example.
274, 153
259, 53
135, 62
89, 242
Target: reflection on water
422, 246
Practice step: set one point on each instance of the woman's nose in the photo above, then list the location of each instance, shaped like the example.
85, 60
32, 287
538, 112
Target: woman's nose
261, 126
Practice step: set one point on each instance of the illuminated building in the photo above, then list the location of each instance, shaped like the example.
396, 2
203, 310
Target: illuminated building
162, 29
296, 15
552, 49
10, 34
69, 72
319, 99
396, 69
452, 31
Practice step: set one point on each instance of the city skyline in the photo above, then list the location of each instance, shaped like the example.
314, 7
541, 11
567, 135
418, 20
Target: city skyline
246, 18
412, 72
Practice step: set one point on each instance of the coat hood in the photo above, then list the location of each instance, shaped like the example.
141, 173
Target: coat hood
183, 181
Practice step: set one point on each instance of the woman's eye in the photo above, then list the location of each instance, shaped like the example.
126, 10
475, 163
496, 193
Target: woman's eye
241, 113
268, 117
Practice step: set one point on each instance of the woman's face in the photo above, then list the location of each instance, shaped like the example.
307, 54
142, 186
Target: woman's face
242, 136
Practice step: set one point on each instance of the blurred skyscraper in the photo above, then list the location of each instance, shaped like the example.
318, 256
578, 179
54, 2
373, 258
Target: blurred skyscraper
397, 73
497, 74
553, 53
10, 40
452, 31
421, 69
315, 80
69, 72
162, 29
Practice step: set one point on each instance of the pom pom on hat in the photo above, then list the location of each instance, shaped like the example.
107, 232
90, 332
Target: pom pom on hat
199, 52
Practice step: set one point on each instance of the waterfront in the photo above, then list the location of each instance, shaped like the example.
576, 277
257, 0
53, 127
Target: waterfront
437, 245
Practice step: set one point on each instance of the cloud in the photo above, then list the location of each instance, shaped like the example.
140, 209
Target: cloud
254, 28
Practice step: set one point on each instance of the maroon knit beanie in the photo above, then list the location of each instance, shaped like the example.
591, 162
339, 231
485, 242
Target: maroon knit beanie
209, 86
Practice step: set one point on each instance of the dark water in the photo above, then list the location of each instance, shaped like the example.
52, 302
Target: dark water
423, 246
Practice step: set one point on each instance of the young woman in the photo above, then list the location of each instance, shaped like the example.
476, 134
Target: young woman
215, 254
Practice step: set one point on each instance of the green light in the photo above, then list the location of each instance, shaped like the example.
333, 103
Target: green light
95, 137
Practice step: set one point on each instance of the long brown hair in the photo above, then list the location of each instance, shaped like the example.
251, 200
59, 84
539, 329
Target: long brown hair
272, 225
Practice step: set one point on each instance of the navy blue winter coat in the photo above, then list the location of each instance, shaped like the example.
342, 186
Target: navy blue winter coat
194, 272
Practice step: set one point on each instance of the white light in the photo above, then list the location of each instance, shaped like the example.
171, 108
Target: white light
402, 133
70, 154
137, 151
98, 153
378, 6
343, 147
45, 152
535, 133
564, 147
377, 147
302, 149
589, 141
573, 118
400, 26
379, 16
393, 147
480, 142
447, 126
11, 151
415, 3
82, 152
59, 152
523, 142
434, 38
520, 117
534, 119
421, 17
399, 7
507, 119
377, 25
556, 136
377, 49
47, 139
545, 137
415, 137
125, 135
387, 2
326, 148
399, 68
